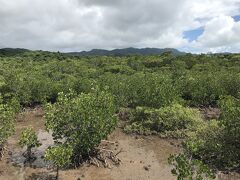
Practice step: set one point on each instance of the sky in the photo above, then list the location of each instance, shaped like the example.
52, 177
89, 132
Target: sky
196, 26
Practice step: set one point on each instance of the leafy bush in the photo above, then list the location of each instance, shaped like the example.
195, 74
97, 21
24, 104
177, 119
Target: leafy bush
60, 156
29, 139
230, 121
82, 121
118, 86
206, 143
154, 90
202, 89
185, 167
231, 83
142, 89
6, 124
170, 121
119, 69
14, 104
217, 142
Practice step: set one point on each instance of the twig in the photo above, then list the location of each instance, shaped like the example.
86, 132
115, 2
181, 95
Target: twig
121, 150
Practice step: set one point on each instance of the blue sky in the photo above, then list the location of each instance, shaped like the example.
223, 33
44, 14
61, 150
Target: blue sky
193, 34
236, 18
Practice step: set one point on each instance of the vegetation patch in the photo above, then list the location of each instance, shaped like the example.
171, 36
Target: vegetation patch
81, 122
152, 93
216, 143
6, 124
172, 121
29, 140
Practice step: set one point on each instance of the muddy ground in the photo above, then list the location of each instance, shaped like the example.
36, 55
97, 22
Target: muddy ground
141, 157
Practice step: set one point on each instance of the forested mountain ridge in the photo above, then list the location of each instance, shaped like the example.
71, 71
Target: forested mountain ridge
12, 51
101, 52
127, 51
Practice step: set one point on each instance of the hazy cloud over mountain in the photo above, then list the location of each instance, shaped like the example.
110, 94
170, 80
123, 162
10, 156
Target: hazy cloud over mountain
74, 25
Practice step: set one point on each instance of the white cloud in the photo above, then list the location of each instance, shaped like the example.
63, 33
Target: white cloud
221, 33
74, 25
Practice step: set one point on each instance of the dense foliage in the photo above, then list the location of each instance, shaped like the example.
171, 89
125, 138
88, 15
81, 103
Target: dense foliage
81, 122
29, 140
187, 168
170, 121
142, 89
6, 124
60, 156
154, 81
161, 91
217, 142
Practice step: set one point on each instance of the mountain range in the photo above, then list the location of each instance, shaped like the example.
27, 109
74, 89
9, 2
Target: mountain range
101, 52
126, 52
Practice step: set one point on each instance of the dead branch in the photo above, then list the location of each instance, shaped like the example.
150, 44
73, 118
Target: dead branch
121, 150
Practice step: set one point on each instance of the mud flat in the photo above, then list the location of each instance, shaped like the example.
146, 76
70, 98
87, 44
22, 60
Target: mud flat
142, 157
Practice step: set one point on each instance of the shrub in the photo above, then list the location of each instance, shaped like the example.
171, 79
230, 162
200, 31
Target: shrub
155, 90
82, 121
60, 156
170, 121
118, 86
142, 89
206, 143
230, 121
119, 69
29, 139
6, 124
231, 83
185, 167
216, 143
202, 89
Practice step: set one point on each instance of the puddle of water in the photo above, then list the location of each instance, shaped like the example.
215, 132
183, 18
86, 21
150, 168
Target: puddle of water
46, 139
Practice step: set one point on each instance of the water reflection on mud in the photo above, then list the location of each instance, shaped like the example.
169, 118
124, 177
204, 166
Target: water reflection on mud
38, 162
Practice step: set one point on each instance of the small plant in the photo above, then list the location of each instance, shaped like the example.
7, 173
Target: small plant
29, 139
60, 156
188, 168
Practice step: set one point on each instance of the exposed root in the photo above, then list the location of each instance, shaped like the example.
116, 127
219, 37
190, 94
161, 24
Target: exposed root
105, 157
2, 151
94, 161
